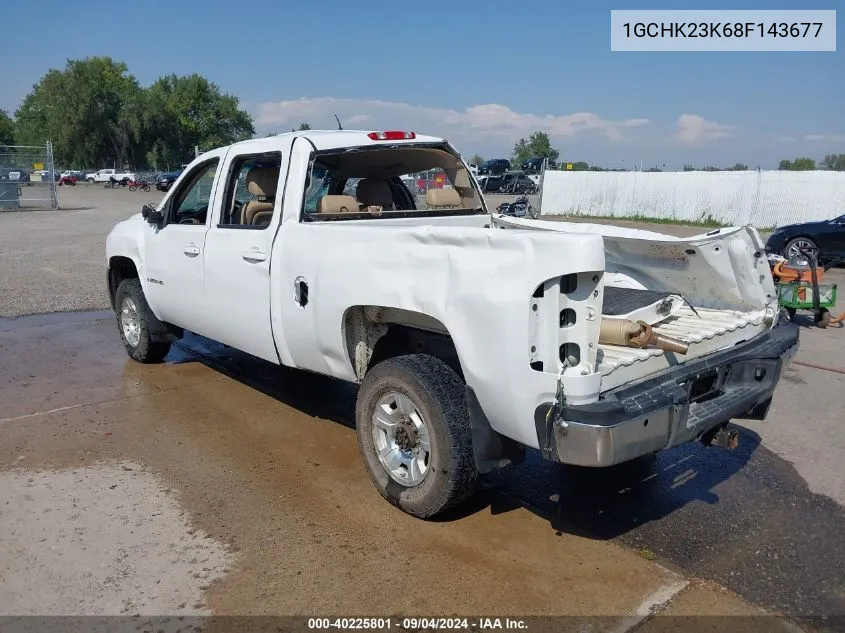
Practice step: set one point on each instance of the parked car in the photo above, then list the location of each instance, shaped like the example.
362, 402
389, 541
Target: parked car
508, 183
470, 342
106, 175
68, 179
165, 181
494, 166
535, 164
827, 237
491, 183
517, 183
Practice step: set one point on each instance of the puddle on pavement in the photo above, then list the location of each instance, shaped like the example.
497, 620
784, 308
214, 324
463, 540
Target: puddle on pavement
108, 539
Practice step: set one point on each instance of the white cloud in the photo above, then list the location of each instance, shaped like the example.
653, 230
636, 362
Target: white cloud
836, 138
490, 122
693, 129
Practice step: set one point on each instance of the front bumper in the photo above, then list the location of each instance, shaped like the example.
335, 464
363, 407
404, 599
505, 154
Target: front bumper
675, 407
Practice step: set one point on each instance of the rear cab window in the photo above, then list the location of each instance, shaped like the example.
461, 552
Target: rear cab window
419, 180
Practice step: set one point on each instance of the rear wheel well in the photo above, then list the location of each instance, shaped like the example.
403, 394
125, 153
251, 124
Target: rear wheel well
400, 340
375, 333
120, 268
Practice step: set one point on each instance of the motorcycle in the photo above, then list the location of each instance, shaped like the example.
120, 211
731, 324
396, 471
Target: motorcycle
138, 184
519, 208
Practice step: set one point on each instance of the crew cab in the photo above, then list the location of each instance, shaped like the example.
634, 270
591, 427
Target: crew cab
105, 175
473, 337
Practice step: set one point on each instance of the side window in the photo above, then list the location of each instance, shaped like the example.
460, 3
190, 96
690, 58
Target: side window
251, 191
319, 184
190, 203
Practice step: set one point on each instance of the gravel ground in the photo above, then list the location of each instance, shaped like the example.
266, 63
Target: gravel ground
55, 260
105, 539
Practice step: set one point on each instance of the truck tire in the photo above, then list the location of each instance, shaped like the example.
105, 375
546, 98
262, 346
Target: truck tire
414, 434
90, 181
133, 324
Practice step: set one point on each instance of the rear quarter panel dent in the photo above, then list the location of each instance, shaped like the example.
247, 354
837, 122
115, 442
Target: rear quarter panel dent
477, 282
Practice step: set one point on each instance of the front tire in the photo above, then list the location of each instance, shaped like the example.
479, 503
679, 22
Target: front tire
133, 324
414, 434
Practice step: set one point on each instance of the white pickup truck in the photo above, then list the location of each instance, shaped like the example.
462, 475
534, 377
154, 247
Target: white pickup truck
472, 336
104, 175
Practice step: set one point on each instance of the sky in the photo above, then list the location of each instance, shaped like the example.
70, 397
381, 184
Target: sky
482, 74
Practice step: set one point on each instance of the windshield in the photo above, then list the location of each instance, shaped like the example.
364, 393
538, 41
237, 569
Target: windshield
393, 180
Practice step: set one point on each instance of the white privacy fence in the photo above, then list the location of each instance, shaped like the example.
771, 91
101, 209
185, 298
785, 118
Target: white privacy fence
760, 198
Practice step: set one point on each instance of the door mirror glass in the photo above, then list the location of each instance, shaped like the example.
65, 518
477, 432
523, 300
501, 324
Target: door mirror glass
151, 213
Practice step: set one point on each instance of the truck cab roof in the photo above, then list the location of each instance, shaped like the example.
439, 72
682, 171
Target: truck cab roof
339, 139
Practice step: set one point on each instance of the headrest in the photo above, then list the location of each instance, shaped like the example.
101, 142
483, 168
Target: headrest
262, 181
373, 192
337, 204
442, 198
462, 179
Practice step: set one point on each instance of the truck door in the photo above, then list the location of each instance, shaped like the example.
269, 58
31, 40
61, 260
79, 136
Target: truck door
173, 266
239, 245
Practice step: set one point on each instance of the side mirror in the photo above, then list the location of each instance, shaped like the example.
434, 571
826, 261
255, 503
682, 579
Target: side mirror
151, 214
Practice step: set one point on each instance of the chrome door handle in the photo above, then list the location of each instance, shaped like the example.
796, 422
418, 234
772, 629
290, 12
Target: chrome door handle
191, 250
254, 256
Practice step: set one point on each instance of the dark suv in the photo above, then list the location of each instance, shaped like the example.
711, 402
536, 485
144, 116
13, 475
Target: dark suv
494, 166
533, 165
165, 181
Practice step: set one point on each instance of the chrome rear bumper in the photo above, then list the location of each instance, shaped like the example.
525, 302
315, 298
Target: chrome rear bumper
674, 407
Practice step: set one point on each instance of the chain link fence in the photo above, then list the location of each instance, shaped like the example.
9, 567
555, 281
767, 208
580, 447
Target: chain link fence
28, 179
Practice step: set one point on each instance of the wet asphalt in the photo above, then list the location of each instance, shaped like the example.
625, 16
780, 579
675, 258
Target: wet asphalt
745, 518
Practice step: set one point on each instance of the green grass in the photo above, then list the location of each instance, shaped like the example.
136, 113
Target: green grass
707, 221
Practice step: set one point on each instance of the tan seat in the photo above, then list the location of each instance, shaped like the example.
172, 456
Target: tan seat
262, 183
337, 204
372, 192
464, 188
441, 198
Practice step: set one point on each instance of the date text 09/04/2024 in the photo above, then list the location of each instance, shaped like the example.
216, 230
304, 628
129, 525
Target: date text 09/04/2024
416, 623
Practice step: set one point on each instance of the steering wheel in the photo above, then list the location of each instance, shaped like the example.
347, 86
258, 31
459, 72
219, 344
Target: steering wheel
194, 216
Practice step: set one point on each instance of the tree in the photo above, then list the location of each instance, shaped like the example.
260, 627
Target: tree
7, 130
738, 167
538, 144
834, 162
83, 110
180, 113
799, 164
477, 159
302, 127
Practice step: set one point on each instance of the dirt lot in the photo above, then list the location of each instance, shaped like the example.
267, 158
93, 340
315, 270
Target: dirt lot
218, 484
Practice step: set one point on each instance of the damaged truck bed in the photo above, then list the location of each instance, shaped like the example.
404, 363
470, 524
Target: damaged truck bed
677, 318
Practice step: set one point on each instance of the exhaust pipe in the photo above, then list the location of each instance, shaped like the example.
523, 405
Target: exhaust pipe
639, 334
